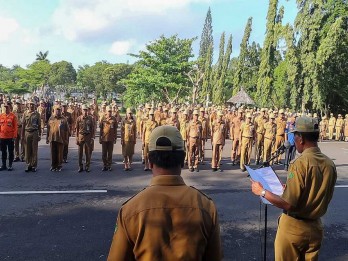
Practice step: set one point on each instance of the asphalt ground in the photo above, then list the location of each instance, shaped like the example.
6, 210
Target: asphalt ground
80, 226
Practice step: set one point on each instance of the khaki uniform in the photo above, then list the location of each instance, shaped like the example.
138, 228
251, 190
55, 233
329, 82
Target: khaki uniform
58, 136
260, 130
269, 138
235, 128
183, 131
194, 135
219, 132
128, 139
247, 135
339, 129
280, 136
42, 111
309, 189
332, 123
31, 132
150, 125
19, 148
205, 134
181, 224
346, 129
69, 119
324, 124
139, 116
173, 122
158, 116
85, 133
108, 136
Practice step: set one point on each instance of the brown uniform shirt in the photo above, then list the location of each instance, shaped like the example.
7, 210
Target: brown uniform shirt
128, 130
205, 126
270, 130
310, 184
219, 132
173, 122
58, 129
167, 221
236, 123
281, 126
247, 130
183, 128
69, 119
31, 121
194, 129
108, 128
149, 127
85, 127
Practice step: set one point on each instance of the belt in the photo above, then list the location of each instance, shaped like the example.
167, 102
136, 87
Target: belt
247, 137
297, 217
268, 138
84, 133
194, 137
30, 130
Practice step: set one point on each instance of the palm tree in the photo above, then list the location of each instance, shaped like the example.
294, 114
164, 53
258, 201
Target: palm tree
42, 56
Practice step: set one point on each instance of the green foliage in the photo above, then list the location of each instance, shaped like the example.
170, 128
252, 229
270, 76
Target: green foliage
160, 73
62, 76
206, 41
113, 75
42, 56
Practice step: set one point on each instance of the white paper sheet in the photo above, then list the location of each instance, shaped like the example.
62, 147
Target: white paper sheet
268, 179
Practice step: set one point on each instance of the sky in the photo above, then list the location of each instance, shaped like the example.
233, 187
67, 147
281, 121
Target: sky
87, 31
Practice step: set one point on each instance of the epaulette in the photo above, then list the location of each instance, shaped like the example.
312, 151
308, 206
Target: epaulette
202, 193
132, 197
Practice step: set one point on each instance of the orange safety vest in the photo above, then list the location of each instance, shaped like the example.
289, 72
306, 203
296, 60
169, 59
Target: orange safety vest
8, 126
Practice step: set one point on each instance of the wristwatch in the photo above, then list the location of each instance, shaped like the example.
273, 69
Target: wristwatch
263, 193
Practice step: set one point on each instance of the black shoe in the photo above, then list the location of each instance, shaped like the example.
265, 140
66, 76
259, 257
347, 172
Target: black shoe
65, 161
109, 169
257, 162
59, 169
191, 169
87, 170
214, 169
196, 169
28, 168
104, 169
142, 162
233, 163
33, 169
52, 169
16, 159
9, 168
80, 169
243, 170
3, 168
220, 170
22, 159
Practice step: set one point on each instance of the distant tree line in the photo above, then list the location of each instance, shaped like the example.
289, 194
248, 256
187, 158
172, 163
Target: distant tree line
302, 65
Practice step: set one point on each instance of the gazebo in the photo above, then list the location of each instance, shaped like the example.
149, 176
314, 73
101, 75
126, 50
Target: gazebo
241, 98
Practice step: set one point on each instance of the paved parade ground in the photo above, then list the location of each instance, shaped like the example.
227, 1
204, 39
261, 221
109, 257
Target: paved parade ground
79, 225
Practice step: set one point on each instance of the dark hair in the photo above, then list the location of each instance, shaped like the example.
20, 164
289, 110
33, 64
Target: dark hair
309, 136
166, 159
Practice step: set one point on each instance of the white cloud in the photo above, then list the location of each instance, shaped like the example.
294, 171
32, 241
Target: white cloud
74, 19
7, 28
121, 47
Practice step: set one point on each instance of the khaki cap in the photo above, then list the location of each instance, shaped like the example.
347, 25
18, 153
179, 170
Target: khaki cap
160, 105
324, 117
185, 112
272, 116
129, 110
248, 116
281, 111
306, 124
85, 107
18, 101
31, 102
201, 109
165, 109
147, 106
57, 107
195, 112
108, 108
339, 115
263, 109
220, 113
151, 112
169, 133
173, 110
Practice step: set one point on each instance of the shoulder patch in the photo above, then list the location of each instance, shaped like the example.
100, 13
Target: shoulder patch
124, 203
291, 175
201, 192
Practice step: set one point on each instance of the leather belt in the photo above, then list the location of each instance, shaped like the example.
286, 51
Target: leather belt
30, 130
297, 217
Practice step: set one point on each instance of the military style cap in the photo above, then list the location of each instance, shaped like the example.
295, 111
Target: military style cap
160, 105
18, 101
263, 109
324, 117
281, 111
85, 107
306, 124
201, 109
31, 102
272, 116
339, 115
195, 112
185, 112
165, 109
57, 107
167, 133
220, 113
248, 115
151, 112
173, 110
129, 110
147, 106
108, 108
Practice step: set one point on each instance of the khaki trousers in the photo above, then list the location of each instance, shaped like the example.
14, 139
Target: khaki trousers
298, 239
66, 150
235, 150
56, 154
193, 152
245, 153
267, 149
107, 150
201, 150
331, 132
259, 146
278, 142
31, 140
217, 155
85, 146
19, 148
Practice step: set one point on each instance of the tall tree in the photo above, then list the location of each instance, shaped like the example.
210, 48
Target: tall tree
241, 65
113, 76
62, 76
206, 40
221, 90
42, 56
267, 65
218, 70
206, 92
160, 72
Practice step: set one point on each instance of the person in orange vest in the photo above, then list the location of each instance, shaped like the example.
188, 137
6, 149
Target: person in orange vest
8, 134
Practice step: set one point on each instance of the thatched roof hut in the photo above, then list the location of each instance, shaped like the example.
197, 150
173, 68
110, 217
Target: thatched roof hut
241, 98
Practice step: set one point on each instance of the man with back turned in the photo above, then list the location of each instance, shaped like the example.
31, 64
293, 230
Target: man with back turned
168, 220
307, 194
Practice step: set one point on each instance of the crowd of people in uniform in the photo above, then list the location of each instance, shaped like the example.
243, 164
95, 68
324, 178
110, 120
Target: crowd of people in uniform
23, 122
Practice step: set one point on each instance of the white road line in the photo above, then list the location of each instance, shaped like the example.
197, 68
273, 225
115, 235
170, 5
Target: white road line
52, 192
341, 186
